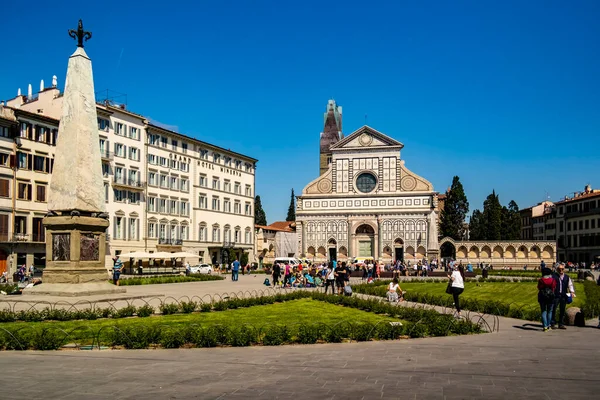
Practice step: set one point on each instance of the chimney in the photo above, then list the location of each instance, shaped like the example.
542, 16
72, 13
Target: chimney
54, 81
19, 92
29, 92
42, 85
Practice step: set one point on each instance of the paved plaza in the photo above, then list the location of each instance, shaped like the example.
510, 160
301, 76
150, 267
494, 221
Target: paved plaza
517, 362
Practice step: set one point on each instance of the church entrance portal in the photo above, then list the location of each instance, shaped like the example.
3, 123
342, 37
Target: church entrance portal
364, 237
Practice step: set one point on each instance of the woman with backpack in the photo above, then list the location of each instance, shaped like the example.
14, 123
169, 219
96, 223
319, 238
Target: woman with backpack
546, 287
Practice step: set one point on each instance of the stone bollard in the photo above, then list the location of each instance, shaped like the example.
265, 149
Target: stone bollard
571, 313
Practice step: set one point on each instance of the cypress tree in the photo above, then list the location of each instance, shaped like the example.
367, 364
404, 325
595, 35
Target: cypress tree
476, 226
260, 218
291, 215
492, 216
513, 230
455, 210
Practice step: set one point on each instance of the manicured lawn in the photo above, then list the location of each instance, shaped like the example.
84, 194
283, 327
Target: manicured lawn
517, 293
156, 280
306, 311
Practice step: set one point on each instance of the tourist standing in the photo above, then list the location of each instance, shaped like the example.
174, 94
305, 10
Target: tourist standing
340, 277
235, 268
276, 274
546, 287
117, 269
329, 278
287, 274
564, 287
457, 286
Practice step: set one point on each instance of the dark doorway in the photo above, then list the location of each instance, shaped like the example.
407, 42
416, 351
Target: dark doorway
399, 253
332, 254
448, 251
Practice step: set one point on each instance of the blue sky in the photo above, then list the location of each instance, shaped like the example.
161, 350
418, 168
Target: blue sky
504, 94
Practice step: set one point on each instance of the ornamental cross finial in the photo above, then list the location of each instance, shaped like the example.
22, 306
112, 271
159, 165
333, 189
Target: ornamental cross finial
80, 34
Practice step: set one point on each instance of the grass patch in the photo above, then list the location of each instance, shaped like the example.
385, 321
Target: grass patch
508, 299
517, 293
156, 280
295, 317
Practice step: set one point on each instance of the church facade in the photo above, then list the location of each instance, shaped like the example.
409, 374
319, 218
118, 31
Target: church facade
366, 203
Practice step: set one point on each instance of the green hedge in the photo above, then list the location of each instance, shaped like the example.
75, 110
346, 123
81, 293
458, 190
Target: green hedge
486, 307
169, 279
591, 308
518, 273
416, 323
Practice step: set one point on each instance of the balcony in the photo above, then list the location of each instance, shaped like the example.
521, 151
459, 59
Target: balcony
173, 242
228, 244
106, 155
23, 237
129, 183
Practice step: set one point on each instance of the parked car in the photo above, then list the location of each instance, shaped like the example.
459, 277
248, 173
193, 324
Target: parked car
201, 269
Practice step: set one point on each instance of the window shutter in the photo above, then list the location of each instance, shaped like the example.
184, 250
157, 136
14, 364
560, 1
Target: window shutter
30, 162
29, 192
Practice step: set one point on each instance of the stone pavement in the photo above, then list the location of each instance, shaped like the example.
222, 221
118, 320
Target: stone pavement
518, 362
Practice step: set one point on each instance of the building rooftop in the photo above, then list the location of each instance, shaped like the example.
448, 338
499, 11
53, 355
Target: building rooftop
280, 226
588, 193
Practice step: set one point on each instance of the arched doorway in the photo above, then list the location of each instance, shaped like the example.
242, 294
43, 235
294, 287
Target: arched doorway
332, 245
447, 250
364, 239
398, 249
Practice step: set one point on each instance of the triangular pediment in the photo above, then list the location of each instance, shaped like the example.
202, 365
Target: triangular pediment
366, 136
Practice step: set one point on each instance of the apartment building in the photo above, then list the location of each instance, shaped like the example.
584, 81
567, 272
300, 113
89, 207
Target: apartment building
538, 222
27, 143
164, 191
578, 221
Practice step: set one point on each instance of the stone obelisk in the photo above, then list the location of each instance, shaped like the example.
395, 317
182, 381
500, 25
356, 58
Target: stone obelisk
76, 222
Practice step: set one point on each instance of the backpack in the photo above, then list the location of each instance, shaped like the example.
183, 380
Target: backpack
267, 282
547, 295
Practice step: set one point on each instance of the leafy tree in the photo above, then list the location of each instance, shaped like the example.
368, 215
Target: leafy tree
260, 218
492, 216
477, 226
455, 209
291, 216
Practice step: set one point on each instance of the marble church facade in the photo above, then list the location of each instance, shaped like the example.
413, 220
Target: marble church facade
367, 204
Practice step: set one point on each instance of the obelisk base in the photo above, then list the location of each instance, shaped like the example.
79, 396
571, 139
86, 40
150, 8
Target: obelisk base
75, 252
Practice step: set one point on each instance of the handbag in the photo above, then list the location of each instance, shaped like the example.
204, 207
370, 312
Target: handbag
449, 287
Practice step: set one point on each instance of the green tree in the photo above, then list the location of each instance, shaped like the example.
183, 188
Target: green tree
260, 218
244, 258
492, 217
455, 210
476, 226
513, 223
291, 216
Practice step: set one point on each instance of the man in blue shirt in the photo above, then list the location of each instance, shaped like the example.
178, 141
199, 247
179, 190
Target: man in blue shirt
235, 269
117, 269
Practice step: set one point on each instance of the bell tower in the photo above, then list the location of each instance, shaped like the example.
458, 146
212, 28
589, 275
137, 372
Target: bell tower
332, 133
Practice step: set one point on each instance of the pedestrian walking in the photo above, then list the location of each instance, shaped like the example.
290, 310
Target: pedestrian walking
457, 286
117, 269
235, 268
546, 287
276, 274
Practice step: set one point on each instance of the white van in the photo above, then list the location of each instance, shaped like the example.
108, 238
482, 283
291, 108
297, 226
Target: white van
287, 260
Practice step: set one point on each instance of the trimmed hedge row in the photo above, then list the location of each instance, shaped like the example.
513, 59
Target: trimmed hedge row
591, 308
486, 307
416, 323
170, 279
519, 273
